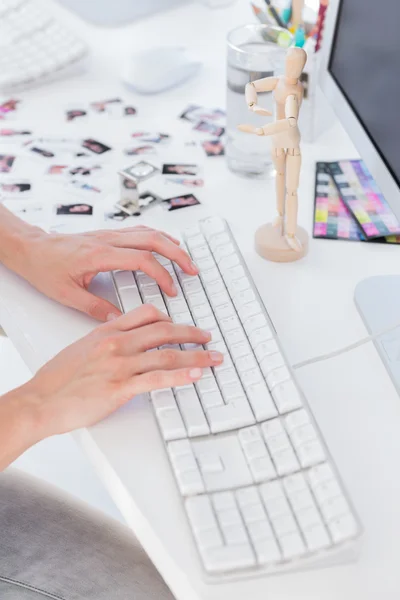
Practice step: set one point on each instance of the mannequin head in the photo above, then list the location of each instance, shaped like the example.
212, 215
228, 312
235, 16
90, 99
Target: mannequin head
296, 58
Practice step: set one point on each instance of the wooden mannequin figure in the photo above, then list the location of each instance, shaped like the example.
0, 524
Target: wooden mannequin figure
282, 241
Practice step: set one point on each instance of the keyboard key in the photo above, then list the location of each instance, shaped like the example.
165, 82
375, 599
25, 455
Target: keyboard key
267, 551
261, 401
292, 545
130, 299
124, 279
236, 472
235, 534
277, 376
260, 530
311, 453
229, 416
223, 501
211, 399
200, 513
271, 363
263, 334
286, 396
171, 423
343, 528
163, 399
316, 538
191, 411
228, 558
210, 538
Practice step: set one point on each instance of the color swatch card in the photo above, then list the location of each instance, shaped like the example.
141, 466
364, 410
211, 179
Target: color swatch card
350, 206
363, 198
332, 218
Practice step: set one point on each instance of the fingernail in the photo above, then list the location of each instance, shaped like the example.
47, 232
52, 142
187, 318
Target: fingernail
195, 373
194, 267
216, 356
206, 334
112, 316
173, 289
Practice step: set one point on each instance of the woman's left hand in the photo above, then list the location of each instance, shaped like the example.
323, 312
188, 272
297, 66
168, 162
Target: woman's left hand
62, 266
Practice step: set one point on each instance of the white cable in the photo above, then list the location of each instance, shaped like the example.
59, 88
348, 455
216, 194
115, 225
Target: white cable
345, 349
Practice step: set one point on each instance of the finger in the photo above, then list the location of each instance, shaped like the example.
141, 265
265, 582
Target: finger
145, 228
261, 111
157, 380
246, 128
92, 305
159, 334
132, 260
169, 359
155, 241
144, 315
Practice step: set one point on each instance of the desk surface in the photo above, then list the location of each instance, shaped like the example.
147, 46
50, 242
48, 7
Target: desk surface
311, 305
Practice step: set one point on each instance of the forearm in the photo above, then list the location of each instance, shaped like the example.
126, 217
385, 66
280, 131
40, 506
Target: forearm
278, 126
19, 424
15, 236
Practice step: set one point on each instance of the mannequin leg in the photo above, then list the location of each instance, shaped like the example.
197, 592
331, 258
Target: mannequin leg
279, 160
293, 166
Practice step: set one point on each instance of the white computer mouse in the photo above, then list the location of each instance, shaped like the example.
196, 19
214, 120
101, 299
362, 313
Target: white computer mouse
159, 69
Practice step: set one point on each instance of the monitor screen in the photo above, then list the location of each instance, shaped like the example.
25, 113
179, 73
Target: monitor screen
365, 63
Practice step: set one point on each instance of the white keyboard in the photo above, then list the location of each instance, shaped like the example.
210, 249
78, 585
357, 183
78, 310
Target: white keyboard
258, 485
33, 45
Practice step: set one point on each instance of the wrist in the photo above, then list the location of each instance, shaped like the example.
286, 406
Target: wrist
17, 245
21, 423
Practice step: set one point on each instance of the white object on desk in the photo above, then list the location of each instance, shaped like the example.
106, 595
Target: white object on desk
159, 69
33, 45
255, 476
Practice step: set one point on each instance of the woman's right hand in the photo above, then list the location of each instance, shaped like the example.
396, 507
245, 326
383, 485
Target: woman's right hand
99, 373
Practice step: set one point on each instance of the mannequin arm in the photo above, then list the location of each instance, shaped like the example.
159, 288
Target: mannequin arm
260, 85
291, 114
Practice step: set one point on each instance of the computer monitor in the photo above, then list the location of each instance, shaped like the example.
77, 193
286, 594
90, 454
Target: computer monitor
360, 75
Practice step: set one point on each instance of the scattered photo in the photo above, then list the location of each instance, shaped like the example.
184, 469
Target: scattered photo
130, 111
8, 107
148, 200
213, 147
6, 163
85, 187
42, 152
17, 188
174, 169
194, 113
13, 133
84, 171
116, 215
181, 202
211, 128
186, 181
57, 170
101, 107
140, 171
153, 138
95, 146
187, 114
138, 150
74, 209
113, 107
75, 113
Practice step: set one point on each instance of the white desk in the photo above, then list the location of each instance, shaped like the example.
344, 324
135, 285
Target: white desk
311, 304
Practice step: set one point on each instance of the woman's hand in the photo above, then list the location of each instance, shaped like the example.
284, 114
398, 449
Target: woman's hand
94, 376
62, 266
